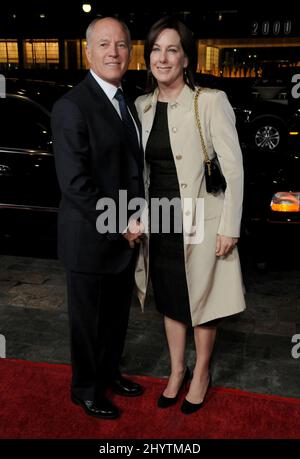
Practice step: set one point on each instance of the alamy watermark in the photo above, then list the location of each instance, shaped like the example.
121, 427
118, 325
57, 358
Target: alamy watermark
166, 215
296, 348
296, 88
2, 347
2, 86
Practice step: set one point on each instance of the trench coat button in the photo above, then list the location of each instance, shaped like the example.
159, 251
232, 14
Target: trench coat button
174, 105
183, 185
174, 129
178, 157
187, 213
191, 234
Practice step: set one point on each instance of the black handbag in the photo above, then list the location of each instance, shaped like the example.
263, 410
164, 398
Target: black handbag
214, 179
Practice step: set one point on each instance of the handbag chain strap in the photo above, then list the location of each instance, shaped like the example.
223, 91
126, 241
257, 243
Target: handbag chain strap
206, 158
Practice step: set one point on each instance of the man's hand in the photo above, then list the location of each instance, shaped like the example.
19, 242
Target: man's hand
134, 233
225, 244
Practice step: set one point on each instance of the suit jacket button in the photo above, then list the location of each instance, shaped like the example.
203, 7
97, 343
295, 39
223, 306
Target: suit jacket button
174, 129
178, 157
183, 185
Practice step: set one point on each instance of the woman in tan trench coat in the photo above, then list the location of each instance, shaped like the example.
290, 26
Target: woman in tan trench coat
194, 283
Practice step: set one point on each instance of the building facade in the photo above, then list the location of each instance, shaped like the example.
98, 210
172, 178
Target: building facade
231, 43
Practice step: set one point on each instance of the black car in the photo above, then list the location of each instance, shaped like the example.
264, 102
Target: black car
29, 192
267, 125
271, 217
267, 118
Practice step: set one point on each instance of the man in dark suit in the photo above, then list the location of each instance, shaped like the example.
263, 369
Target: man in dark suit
96, 143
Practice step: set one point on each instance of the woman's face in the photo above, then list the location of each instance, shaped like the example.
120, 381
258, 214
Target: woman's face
167, 58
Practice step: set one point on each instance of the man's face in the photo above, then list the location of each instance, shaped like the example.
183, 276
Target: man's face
108, 51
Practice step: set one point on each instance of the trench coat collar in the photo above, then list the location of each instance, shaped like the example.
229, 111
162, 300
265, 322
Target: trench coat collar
184, 99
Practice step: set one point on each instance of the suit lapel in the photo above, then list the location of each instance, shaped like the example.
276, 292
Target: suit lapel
109, 110
147, 116
105, 104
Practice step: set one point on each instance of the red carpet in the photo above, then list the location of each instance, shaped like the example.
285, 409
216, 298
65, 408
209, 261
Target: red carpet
34, 403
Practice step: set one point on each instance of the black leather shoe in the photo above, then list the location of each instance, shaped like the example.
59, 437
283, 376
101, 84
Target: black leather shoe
189, 408
124, 386
166, 402
103, 408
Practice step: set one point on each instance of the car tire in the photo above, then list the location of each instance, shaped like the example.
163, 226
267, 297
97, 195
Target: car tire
268, 134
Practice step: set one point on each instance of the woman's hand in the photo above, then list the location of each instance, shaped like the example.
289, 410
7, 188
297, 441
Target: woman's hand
225, 244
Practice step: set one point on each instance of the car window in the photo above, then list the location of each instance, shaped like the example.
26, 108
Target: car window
23, 124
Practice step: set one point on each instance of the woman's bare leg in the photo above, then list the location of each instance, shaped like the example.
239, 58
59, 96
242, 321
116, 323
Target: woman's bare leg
204, 342
176, 337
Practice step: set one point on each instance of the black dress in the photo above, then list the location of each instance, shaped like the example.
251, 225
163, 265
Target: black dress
166, 256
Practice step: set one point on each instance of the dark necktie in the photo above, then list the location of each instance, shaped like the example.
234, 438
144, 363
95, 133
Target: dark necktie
127, 119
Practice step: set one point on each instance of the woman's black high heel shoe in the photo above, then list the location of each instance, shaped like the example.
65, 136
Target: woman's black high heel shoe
166, 402
189, 408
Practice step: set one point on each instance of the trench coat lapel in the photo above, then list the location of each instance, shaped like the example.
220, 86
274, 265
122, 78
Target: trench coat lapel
148, 117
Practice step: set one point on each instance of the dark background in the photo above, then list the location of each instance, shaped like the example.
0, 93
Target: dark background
66, 18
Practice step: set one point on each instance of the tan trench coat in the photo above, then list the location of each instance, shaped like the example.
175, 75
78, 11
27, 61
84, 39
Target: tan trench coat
214, 283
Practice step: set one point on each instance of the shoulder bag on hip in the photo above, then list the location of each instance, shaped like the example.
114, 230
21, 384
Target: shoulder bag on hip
215, 180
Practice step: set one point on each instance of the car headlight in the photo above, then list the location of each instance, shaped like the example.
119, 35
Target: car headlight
286, 201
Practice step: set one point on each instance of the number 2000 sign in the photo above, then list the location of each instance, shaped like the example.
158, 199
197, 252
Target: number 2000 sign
274, 28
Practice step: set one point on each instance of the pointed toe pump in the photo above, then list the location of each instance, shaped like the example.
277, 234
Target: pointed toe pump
166, 402
189, 408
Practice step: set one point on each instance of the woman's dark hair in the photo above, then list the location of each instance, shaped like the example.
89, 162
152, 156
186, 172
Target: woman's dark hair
188, 44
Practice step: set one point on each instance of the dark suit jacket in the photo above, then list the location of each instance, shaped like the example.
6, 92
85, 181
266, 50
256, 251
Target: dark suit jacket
93, 160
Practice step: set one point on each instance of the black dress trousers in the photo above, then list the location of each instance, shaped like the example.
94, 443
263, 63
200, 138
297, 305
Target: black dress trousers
99, 307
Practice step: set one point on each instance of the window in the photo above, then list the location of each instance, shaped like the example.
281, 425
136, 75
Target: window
212, 60
41, 53
9, 52
137, 56
83, 59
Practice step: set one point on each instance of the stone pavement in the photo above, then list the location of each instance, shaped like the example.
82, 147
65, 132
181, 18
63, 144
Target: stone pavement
252, 351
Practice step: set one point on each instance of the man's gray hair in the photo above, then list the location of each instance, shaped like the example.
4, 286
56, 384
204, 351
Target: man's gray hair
91, 26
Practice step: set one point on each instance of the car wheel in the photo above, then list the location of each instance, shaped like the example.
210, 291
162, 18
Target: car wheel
268, 134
